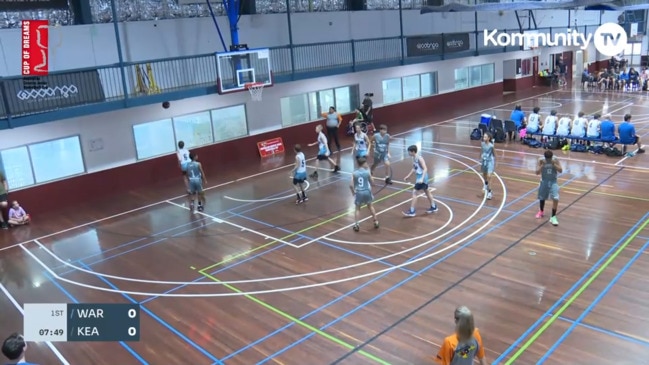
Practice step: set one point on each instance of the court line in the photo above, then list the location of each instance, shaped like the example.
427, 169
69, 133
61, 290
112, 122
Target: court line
306, 187
474, 271
161, 321
74, 300
405, 280
570, 290
51, 346
621, 336
265, 172
599, 297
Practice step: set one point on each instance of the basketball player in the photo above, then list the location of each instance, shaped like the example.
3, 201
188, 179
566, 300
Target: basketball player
361, 188
534, 121
381, 145
550, 124
592, 130
183, 160
4, 198
564, 126
361, 142
299, 175
549, 167
323, 150
421, 183
488, 159
578, 130
196, 177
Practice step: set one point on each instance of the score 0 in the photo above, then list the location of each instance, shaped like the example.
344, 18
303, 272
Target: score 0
133, 330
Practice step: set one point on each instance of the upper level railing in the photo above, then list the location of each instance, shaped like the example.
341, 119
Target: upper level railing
72, 88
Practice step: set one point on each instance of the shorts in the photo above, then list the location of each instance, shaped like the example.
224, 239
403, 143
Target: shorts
299, 178
549, 191
363, 198
488, 166
532, 129
195, 186
3, 198
422, 185
381, 157
361, 153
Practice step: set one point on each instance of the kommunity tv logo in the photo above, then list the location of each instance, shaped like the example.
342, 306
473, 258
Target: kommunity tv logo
609, 39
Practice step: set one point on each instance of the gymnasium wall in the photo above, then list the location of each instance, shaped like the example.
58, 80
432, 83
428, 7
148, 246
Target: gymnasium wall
115, 169
74, 47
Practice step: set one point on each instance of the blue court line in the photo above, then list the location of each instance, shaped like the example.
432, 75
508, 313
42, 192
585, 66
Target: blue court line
606, 331
106, 258
594, 303
302, 236
642, 238
236, 263
401, 283
74, 300
470, 242
159, 320
561, 300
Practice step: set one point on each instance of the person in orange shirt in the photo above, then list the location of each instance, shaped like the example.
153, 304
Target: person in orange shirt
465, 344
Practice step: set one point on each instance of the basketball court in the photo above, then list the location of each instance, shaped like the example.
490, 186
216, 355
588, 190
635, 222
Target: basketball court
255, 279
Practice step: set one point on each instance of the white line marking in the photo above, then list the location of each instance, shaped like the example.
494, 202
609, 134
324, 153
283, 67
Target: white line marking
242, 228
266, 200
22, 312
159, 282
272, 170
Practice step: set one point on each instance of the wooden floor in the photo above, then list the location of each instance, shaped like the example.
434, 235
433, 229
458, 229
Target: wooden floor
295, 285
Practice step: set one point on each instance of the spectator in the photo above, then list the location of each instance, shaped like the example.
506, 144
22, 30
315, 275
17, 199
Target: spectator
465, 344
14, 349
17, 215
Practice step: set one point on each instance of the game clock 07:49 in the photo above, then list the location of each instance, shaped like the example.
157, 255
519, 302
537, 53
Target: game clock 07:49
50, 332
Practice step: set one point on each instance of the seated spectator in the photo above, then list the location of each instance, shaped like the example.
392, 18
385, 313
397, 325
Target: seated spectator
465, 344
14, 349
17, 215
607, 129
627, 134
518, 117
623, 80
587, 78
634, 78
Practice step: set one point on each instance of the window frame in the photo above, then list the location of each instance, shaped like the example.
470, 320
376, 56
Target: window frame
354, 92
83, 159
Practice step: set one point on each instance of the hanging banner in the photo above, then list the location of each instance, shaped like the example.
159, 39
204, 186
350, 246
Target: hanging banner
429, 45
34, 48
456, 42
23, 5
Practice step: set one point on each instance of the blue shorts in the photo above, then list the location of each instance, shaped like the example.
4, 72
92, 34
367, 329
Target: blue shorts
195, 186
380, 157
488, 166
363, 198
299, 178
548, 191
361, 153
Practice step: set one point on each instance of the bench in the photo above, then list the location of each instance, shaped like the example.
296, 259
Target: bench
572, 138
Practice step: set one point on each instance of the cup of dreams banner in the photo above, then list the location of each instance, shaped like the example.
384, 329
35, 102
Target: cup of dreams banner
34, 49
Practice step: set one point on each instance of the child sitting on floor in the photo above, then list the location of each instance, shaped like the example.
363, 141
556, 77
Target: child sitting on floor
17, 215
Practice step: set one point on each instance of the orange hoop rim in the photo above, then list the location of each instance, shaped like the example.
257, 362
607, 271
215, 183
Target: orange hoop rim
249, 85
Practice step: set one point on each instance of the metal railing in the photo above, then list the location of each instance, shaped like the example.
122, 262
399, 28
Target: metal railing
65, 89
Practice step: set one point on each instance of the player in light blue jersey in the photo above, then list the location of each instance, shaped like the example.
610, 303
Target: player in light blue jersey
361, 187
488, 160
361, 142
421, 183
299, 175
381, 145
196, 177
549, 168
323, 150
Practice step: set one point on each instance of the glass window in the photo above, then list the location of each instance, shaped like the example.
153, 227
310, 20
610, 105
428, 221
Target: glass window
428, 84
230, 123
461, 78
194, 129
326, 98
344, 99
57, 159
314, 107
295, 109
392, 91
475, 78
16, 167
411, 87
488, 74
154, 139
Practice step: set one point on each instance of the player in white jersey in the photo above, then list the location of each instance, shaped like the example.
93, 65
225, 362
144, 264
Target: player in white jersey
550, 124
183, 160
361, 142
381, 146
534, 124
578, 129
564, 126
421, 183
298, 174
323, 150
592, 130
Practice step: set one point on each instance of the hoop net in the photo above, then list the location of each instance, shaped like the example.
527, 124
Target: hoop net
256, 90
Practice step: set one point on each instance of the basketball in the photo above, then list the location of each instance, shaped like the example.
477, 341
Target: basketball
166, 105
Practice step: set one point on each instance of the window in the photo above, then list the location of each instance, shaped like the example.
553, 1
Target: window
392, 91
17, 167
229, 123
475, 76
194, 129
428, 84
488, 74
154, 139
411, 87
302, 108
57, 159
461, 78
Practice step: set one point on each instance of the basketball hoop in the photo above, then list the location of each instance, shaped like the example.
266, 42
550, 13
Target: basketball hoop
256, 89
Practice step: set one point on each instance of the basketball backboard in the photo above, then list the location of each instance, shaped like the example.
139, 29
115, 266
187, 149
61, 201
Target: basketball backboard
236, 69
